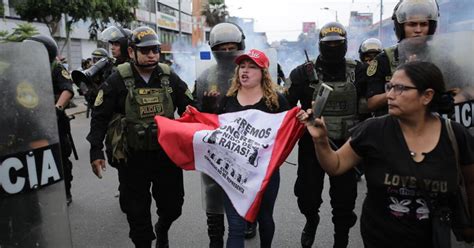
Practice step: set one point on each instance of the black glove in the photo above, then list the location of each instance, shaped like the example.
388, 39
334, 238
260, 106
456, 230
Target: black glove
209, 104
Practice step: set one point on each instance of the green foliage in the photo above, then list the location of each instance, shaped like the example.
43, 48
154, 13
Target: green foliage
2, 9
21, 32
99, 12
215, 12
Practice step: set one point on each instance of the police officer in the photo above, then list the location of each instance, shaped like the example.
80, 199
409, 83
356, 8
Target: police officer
63, 93
411, 18
330, 67
98, 78
138, 91
98, 54
118, 38
369, 48
227, 41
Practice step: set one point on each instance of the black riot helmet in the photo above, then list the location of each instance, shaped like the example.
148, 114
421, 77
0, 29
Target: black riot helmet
333, 42
49, 43
415, 10
371, 46
224, 33
118, 34
144, 37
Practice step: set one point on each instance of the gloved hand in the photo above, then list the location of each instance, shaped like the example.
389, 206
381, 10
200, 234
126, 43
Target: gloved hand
209, 101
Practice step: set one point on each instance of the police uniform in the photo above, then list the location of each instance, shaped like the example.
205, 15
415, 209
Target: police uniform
61, 82
378, 72
147, 167
310, 180
217, 78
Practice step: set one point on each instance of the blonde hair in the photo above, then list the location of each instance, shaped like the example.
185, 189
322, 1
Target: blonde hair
269, 88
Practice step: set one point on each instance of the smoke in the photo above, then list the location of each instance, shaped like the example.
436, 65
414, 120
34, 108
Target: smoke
184, 56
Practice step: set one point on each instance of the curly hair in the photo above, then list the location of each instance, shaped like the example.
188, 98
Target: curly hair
269, 88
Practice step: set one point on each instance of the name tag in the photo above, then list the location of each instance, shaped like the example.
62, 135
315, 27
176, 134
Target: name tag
149, 100
150, 110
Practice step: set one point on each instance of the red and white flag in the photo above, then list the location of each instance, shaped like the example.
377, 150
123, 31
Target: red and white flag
239, 150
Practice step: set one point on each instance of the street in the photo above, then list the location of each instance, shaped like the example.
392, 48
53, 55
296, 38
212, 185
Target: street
97, 221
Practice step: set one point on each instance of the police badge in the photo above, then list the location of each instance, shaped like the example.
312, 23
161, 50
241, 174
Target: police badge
372, 68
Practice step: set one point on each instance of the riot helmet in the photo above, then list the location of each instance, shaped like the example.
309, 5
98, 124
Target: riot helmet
99, 53
118, 34
143, 37
333, 42
415, 10
369, 49
49, 43
225, 33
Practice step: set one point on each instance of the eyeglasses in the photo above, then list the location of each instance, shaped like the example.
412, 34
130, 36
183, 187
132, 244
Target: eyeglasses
146, 50
398, 88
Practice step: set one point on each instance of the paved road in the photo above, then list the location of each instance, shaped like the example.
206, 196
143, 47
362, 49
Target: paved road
96, 219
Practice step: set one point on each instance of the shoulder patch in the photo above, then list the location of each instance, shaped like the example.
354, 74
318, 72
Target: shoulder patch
99, 99
66, 74
372, 68
26, 95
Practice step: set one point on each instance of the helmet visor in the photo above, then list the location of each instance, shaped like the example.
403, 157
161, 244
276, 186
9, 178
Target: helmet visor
372, 45
111, 34
224, 33
417, 10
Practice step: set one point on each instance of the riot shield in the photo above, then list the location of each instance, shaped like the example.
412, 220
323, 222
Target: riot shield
451, 53
33, 211
214, 70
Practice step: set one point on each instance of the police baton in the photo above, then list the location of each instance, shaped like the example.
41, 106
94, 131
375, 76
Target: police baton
71, 140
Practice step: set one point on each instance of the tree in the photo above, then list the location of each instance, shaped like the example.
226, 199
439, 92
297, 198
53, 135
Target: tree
215, 12
2, 9
99, 12
21, 32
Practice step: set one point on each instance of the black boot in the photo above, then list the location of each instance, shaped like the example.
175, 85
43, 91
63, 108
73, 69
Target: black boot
215, 230
250, 230
309, 231
142, 243
161, 229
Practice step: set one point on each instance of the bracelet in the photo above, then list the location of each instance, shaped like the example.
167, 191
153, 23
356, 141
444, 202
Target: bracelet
59, 107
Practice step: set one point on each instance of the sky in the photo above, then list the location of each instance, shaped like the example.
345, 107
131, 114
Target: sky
282, 19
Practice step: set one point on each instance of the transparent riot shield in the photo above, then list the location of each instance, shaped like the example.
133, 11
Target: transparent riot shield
451, 52
214, 70
33, 211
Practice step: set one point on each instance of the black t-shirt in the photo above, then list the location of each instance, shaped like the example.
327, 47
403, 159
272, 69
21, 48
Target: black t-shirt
230, 104
395, 213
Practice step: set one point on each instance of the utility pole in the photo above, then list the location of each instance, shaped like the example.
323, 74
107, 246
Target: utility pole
380, 22
179, 18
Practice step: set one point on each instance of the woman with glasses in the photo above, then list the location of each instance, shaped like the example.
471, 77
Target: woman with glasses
410, 161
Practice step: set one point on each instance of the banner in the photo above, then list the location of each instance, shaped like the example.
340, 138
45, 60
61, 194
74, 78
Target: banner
239, 150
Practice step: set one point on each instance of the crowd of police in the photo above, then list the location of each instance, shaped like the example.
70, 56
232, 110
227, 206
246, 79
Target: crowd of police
126, 90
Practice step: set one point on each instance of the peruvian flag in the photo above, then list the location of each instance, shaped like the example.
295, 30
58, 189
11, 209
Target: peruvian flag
239, 150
